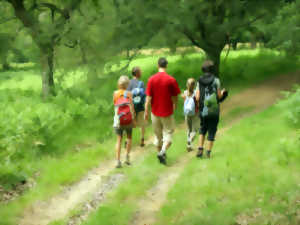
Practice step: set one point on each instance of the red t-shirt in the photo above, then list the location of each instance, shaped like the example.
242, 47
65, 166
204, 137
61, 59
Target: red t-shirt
161, 87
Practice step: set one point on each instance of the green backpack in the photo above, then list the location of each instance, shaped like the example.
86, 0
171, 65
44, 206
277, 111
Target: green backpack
210, 106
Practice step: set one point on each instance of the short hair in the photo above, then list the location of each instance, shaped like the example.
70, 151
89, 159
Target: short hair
208, 66
123, 82
163, 62
135, 70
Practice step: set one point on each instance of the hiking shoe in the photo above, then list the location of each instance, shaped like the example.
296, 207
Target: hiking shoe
162, 159
119, 164
200, 153
208, 154
142, 142
189, 148
127, 161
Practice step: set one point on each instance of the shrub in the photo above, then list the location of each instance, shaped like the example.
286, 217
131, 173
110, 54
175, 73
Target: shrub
291, 107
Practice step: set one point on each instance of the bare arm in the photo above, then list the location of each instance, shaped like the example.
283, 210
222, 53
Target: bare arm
197, 95
175, 101
147, 107
183, 95
220, 93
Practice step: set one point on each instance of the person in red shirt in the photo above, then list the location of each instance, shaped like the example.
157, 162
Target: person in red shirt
162, 94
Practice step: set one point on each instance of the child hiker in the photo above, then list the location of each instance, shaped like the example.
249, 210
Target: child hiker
209, 95
124, 118
137, 88
190, 112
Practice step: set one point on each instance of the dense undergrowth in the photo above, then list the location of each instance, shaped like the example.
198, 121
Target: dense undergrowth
34, 129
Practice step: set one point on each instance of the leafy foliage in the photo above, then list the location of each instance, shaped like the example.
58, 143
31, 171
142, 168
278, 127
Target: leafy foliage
284, 29
291, 107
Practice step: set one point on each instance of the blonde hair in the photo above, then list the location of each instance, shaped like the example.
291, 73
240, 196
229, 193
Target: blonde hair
190, 85
123, 82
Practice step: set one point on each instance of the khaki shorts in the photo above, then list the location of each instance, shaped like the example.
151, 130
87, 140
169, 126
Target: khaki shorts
163, 128
140, 121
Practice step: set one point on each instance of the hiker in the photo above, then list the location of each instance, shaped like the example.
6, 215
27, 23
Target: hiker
137, 88
162, 94
124, 118
209, 95
190, 110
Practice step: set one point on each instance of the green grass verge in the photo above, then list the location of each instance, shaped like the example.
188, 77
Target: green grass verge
75, 104
142, 176
57, 172
253, 176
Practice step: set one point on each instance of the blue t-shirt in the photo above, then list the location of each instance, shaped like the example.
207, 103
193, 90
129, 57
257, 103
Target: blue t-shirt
135, 83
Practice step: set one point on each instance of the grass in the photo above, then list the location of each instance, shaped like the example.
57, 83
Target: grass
254, 175
141, 176
245, 180
60, 163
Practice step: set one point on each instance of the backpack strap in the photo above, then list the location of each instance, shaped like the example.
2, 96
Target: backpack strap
125, 94
140, 84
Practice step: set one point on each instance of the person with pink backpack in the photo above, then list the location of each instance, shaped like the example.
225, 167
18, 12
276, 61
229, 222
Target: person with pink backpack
124, 118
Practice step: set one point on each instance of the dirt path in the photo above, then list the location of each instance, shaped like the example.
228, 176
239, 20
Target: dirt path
42, 213
260, 97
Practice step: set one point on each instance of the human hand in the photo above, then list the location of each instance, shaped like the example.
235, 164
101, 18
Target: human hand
146, 116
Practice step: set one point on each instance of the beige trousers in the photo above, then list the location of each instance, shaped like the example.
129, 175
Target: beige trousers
163, 128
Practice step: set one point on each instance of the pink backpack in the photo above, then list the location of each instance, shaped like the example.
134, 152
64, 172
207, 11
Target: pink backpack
123, 111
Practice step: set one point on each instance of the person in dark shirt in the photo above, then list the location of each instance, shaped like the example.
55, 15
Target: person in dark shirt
137, 88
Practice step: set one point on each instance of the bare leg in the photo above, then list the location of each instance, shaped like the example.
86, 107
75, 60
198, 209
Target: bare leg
201, 143
118, 147
201, 140
209, 148
210, 145
118, 150
142, 136
128, 148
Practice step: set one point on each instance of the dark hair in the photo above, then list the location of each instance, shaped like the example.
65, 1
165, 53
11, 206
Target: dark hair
135, 70
162, 62
208, 66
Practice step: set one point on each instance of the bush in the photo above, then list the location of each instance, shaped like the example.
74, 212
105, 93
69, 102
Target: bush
291, 107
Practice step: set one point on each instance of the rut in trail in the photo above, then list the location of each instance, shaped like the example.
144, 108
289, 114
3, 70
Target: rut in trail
58, 207
259, 97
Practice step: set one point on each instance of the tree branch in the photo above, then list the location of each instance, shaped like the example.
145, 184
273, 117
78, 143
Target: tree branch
191, 38
247, 24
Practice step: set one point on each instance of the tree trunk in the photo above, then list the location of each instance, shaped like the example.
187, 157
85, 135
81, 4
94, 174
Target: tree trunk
253, 44
5, 65
214, 55
47, 56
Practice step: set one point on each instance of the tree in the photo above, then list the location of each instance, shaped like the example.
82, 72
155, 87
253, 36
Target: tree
209, 25
283, 30
46, 23
97, 31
